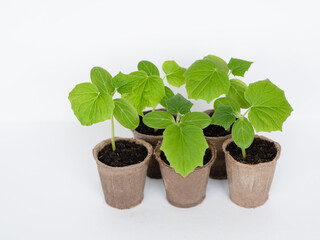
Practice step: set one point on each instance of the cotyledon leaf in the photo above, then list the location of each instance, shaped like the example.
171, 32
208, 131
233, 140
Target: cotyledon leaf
125, 114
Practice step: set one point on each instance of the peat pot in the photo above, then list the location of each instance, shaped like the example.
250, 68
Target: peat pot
249, 184
218, 169
189, 191
123, 187
153, 168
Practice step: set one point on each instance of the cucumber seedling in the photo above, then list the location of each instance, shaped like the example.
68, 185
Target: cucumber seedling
267, 110
93, 102
183, 142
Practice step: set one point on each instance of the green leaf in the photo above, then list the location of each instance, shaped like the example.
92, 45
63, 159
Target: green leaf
149, 68
270, 108
236, 91
102, 79
178, 104
89, 105
184, 148
225, 101
205, 81
148, 92
219, 62
242, 133
238, 67
223, 116
168, 94
174, 73
124, 83
158, 119
198, 119
125, 114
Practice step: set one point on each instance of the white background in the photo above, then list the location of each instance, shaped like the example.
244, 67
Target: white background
49, 185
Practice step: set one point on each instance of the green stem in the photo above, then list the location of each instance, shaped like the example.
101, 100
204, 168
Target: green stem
243, 153
113, 143
246, 112
178, 118
229, 73
229, 128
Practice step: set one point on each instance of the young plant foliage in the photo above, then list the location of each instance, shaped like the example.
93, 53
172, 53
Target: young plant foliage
168, 94
93, 102
184, 148
178, 104
174, 73
219, 62
224, 116
102, 80
149, 68
89, 105
269, 106
204, 80
183, 141
238, 67
148, 92
267, 110
158, 119
236, 91
198, 119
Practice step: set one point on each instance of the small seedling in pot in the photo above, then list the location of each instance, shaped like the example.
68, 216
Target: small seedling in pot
267, 110
92, 102
183, 141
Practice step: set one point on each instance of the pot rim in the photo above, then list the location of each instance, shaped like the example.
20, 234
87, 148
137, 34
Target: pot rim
220, 138
157, 152
102, 144
230, 158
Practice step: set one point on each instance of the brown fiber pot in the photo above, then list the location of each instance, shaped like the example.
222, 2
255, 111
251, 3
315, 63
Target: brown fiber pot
249, 185
218, 169
189, 191
123, 187
153, 168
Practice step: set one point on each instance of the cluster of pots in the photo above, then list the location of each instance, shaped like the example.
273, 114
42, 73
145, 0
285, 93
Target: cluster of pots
123, 187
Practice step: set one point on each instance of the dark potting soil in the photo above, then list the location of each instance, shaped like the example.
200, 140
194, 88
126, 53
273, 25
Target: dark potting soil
215, 130
260, 151
126, 153
144, 129
206, 158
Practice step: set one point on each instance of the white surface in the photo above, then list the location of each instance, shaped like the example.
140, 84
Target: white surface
49, 185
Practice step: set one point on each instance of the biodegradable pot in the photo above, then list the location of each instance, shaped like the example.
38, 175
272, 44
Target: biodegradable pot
218, 169
123, 186
153, 168
189, 191
249, 185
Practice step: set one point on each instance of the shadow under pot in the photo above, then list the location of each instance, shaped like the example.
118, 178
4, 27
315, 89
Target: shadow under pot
250, 179
191, 190
217, 135
123, 172
151, 136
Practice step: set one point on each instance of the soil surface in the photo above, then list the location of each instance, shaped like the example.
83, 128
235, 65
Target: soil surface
260, 151
206, 158
144, 129
215, 130
126, 153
